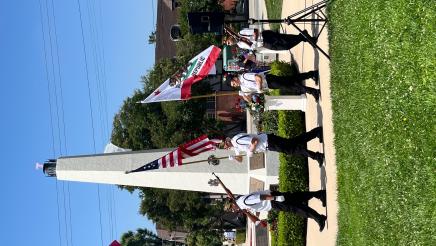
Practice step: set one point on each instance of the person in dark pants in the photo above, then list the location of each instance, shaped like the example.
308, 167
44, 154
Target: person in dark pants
257, 82
294, 82
250, 143
280, 41
247, 39
295, 202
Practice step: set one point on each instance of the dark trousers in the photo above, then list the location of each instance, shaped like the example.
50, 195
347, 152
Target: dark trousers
293, 82
295, 145
279, 41
296, 202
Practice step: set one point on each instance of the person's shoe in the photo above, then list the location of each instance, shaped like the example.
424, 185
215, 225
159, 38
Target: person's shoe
320, 159
322, 196
321, 223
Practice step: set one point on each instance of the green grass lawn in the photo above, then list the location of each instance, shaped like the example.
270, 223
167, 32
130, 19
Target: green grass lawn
383, 72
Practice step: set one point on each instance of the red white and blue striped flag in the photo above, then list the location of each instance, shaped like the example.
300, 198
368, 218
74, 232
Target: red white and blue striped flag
175, 157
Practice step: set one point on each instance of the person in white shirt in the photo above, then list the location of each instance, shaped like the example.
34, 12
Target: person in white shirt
249, 39
250, 143
296, 202
250, 83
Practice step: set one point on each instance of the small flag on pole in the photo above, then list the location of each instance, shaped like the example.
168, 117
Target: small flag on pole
175, 157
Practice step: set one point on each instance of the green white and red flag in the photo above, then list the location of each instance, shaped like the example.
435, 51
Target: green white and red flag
198, 67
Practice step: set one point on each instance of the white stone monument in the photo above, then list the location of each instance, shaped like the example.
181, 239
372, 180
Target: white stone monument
111, 168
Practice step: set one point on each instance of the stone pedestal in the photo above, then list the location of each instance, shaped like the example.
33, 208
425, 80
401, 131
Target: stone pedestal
286, 102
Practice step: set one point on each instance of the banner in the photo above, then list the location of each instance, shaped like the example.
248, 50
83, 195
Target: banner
178, 86
175, 157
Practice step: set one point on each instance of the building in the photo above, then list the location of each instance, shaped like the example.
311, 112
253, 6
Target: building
177, 235
167, 16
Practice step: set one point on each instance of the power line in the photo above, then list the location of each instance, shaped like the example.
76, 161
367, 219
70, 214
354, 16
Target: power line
94, 38
90, 107
57, 112
54, 74
99, 58
60, 77
64, 194
103, 58
51, 118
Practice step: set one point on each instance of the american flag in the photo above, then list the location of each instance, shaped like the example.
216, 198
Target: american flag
175, 157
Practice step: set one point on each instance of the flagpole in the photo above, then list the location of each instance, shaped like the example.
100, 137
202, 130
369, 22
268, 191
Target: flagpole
193, 162
215, 95
215, 158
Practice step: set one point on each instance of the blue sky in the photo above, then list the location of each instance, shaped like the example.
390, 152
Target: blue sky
29, 209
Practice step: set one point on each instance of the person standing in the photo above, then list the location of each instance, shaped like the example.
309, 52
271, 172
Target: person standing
295, 202
250, 83
248, 38
250, 143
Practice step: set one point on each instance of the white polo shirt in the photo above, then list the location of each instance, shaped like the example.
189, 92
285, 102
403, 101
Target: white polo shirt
248, 83
242, 141
249, 34
253, 203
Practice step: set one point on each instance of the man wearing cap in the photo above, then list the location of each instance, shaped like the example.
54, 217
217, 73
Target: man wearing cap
250, 143
250, 83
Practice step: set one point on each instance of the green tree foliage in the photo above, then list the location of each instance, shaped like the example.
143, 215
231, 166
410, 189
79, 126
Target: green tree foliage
168, 124
144, 237
204, 237
130, 124
162, 125
184, 209
173, 209
192, 44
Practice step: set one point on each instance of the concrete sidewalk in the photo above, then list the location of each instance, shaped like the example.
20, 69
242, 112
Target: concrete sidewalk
317, 114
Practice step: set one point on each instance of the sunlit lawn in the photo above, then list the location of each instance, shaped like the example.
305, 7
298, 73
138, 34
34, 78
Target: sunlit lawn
383, 72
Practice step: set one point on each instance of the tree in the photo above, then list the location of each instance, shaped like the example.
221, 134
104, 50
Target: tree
130, 124
162, 125
205, 237
144, 237
168, 124
186, 209
175, 208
